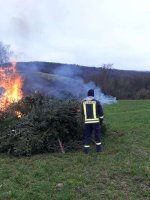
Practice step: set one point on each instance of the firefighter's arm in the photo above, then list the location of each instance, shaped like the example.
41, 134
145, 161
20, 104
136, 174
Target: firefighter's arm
100, 112
82, 112
101, 119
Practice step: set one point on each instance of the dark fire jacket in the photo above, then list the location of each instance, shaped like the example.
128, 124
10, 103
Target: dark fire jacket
91, 110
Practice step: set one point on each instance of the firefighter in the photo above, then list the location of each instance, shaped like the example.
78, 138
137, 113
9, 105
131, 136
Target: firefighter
93, 118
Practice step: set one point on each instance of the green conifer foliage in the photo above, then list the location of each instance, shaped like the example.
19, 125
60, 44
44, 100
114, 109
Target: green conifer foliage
44, 121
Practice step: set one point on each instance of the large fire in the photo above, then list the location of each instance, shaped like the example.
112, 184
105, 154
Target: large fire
10, 86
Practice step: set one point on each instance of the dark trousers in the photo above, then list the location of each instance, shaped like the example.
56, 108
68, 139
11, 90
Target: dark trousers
88, 130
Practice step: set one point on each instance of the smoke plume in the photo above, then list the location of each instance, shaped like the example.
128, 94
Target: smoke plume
63, 82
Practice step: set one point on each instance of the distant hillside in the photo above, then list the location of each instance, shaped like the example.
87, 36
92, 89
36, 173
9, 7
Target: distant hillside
123, 84
49, 67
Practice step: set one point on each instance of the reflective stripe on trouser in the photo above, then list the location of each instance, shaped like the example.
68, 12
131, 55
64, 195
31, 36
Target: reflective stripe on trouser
86, 146
88, 128
98, 147
99, 143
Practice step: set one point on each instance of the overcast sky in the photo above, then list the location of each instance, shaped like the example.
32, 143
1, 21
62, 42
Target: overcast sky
85, 32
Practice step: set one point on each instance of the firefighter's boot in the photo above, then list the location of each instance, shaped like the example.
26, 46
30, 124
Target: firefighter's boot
99, 148
86, 150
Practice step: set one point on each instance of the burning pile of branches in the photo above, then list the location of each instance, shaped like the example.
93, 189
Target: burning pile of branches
34, 124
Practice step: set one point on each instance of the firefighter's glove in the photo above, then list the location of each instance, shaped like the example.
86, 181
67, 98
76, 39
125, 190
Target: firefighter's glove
101, 121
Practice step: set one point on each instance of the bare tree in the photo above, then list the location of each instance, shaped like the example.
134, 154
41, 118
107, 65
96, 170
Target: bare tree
5, 53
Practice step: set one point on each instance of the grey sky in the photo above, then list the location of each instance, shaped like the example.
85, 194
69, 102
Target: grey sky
86, 32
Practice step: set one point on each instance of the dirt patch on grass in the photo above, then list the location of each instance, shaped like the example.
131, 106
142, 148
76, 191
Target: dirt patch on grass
133, 186
118, 133
141, 183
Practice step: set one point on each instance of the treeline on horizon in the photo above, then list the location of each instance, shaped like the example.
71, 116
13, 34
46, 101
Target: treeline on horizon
123, 84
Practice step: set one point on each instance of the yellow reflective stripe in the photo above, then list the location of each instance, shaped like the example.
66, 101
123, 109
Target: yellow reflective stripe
91, 122
94, 111
84, 109
93, 119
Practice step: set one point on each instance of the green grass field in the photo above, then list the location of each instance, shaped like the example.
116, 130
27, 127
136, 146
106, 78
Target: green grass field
121, 171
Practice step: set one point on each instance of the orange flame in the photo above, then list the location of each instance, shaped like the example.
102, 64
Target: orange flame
18, 114
11, 83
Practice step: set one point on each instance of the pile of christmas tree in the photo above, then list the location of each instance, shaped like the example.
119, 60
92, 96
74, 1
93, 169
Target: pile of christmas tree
38, 124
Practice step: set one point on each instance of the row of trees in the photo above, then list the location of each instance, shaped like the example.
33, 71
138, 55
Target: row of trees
121, 84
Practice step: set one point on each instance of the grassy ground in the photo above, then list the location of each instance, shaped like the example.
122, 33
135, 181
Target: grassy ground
122, 171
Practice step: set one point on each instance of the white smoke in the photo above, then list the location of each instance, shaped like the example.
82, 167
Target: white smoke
75, 85
65, 81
